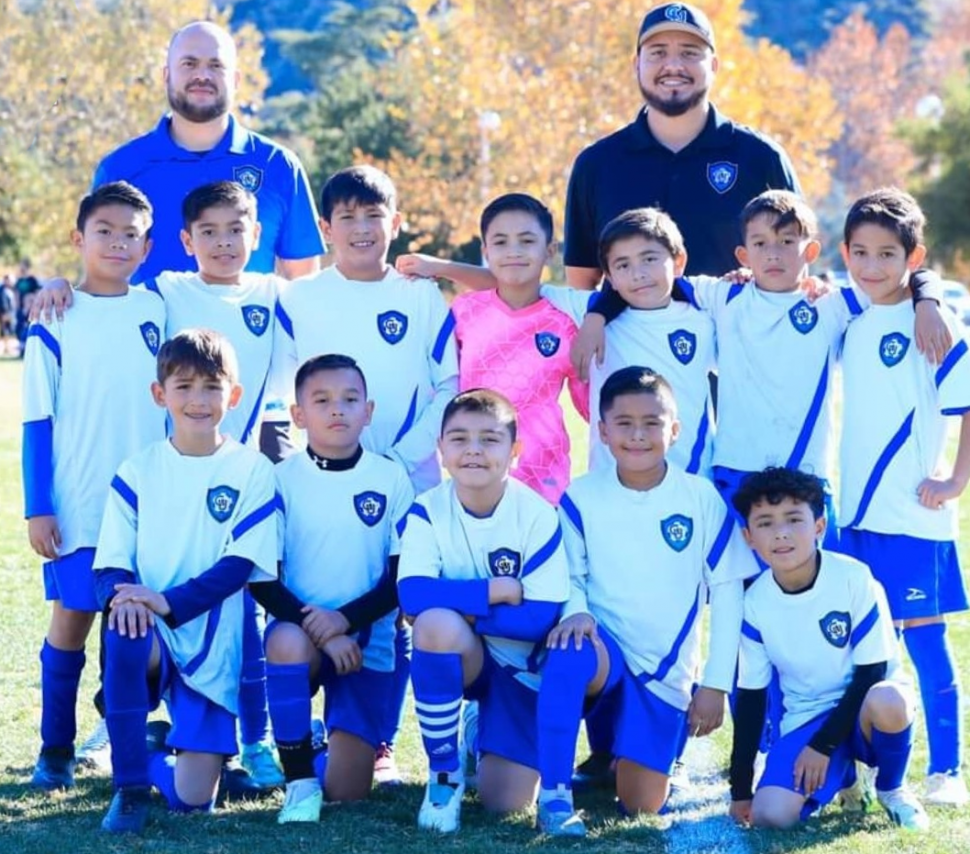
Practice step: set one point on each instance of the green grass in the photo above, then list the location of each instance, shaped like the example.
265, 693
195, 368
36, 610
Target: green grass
31, 823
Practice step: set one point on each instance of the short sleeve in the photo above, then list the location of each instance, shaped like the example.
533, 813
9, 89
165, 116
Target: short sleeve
577, 559
545, 573
873, 638
255, 524
580, 232
952, 377
754, 666
728, 557
299, 235
401, 502
118, 540
572, 302
420, 554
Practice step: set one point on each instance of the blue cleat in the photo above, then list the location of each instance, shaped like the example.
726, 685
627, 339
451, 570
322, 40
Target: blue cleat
54, 769
558, 818
128, 812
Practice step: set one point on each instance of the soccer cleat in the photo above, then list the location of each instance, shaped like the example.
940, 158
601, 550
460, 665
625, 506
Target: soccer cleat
128, 812
904, 809
679, 778
236, 783
861, 795
260, 761
946, 790
318, 735
597, 771
469, 742
558, 818
95, 753
54, 769
441, 808
156, 736
386, 772
302, 804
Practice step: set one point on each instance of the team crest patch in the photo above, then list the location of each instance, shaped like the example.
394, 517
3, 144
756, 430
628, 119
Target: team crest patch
683, 345
676, 12
803, 317
249, 177
392, 325
836, 628
505, 563
722, 175
256, 318
893, 348
547, 344
221, 501
370, 507
152, 337
677, 530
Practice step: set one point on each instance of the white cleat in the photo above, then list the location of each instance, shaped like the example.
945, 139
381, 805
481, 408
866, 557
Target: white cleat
441, 808
946, 790
904, 809
861, 795
95, 753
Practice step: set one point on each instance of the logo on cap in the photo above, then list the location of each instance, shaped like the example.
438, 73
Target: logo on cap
676, 12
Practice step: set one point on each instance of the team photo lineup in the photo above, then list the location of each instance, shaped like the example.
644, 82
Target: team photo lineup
267, 464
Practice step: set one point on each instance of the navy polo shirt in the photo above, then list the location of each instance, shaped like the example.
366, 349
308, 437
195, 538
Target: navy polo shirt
703, 187
167, 173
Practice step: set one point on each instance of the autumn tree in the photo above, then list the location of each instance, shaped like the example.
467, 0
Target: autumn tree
78, 78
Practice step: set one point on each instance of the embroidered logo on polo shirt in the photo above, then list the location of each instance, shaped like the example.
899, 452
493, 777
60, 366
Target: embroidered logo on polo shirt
683, 345
221, 501
504, 563
392, 325
151, 336
256, 318
547, 343
836, 628
249, 177
893, 348
803, 316
676, 12
370, 507
722, 175
677, 530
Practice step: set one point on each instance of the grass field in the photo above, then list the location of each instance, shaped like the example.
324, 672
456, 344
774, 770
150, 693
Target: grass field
36, 824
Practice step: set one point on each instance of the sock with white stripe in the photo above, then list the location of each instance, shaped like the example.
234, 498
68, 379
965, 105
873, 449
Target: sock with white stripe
436, 678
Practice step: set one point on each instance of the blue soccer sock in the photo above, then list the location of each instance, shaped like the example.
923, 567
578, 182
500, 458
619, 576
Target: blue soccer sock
161, 770
437, 681
892, 751
126, 706
253, 713
599, 731
288, 688
394, 715
60, 675
566, 675
940, 692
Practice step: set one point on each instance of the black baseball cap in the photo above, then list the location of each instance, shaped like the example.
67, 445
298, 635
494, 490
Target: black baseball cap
676, 17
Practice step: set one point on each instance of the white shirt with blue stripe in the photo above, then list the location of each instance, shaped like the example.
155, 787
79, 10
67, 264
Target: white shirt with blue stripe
87, 405
339, 529
245, 314
816, 638
521, 539
777, 356
402, 335
895, 423
642, 563
171, 517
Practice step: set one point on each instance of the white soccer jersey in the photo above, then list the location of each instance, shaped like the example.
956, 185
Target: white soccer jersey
816, 638
777, 355
171, 517
676, 342
90, 375
894, 423
521, 539
402, 335
245, 314
642, 563
339, 528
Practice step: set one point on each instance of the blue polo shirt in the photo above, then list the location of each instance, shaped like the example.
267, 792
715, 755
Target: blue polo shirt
167, 173
703, 187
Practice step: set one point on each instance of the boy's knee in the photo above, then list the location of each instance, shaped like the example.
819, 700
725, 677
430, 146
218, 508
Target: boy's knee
287, 643
440, 630
781, 814
888, 707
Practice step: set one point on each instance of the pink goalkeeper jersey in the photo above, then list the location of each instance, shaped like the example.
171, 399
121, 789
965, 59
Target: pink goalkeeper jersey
524, 354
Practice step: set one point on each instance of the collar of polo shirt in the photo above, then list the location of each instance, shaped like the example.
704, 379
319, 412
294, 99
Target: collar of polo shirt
717, 133
236, 140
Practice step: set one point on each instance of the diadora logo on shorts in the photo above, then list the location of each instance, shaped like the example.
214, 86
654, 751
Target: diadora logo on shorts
221, 501
370, 507
893, 348
392, 325
722, 175
914, 594
803, 316
547, 343
836, 628
683, 345
256, 318
504, 563
151, 336
249, 177
676, 12
677, 530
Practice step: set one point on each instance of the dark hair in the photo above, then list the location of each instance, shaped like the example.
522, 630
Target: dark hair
635, 380
198, 351
518, 202
785, 208
328, 362
893, 209
774, 485
651, 223
218, 194
114, 193
362, 185
482, 400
